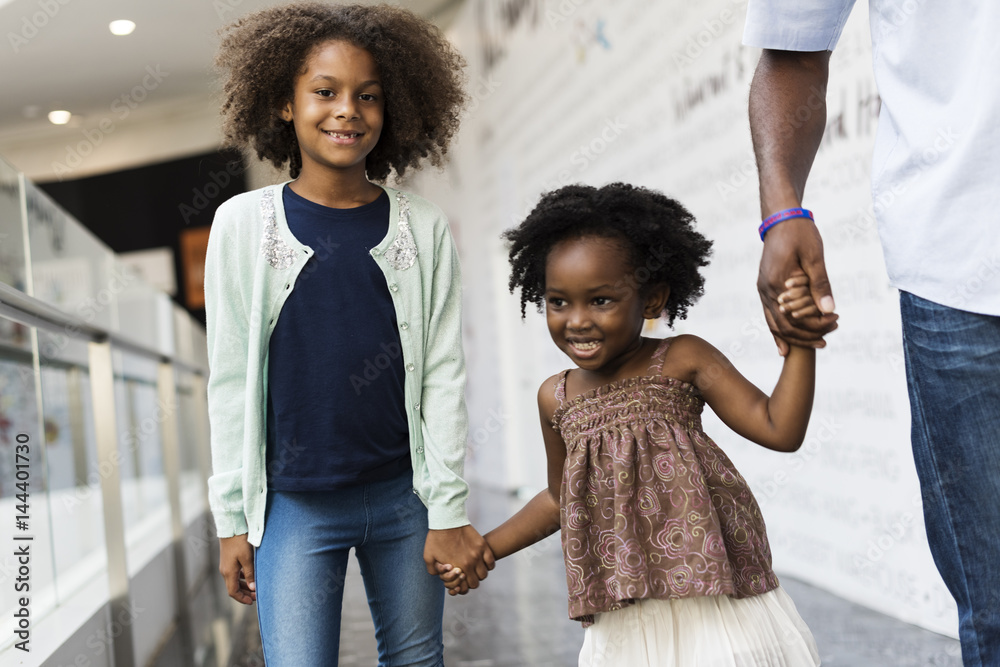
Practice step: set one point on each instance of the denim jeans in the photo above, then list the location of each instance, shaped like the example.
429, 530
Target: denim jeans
953, 375
301, 564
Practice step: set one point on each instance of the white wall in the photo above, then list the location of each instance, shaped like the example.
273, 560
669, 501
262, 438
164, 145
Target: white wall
655, 93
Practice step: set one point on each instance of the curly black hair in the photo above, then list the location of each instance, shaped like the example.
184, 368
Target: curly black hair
422, 75
658, 233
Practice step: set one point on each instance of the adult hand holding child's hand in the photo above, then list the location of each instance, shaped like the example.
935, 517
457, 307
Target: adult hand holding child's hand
793, 248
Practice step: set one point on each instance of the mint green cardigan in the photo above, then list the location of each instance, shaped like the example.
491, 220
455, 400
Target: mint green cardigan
251, 267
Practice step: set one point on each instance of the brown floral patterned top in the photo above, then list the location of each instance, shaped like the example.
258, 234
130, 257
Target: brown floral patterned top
651, 507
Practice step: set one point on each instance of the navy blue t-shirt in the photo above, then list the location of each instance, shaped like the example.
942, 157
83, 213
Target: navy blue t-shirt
336, 412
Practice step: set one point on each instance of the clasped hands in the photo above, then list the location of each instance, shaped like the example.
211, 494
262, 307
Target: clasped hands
459, 556
793, 286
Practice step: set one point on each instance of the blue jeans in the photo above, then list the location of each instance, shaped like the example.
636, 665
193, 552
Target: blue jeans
301, 564
953, 375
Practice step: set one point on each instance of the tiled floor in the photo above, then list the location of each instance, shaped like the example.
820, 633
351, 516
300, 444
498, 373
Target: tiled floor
517, 618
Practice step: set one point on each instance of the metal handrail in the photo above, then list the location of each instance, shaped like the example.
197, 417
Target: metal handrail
28, 310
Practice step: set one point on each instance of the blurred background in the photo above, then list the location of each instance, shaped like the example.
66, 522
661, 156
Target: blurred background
112, 167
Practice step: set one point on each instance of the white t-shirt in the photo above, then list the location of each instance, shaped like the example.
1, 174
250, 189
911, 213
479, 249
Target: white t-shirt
936, 162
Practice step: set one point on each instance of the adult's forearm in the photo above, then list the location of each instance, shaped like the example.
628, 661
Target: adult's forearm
787, 120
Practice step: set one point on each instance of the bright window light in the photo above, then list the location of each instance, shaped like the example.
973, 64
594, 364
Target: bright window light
59, 117
122, 27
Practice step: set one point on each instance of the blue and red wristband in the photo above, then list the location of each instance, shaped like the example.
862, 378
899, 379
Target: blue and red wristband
781, 216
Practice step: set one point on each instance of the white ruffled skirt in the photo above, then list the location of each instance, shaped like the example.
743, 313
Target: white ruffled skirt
715, 631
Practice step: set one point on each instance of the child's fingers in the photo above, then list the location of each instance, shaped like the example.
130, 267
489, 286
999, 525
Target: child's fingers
793, 294
797, 304
809, 311
442, 567
461, 588
454, 574
800, 307
801, 280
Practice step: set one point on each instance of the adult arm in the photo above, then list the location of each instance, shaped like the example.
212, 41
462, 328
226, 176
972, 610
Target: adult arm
787, 120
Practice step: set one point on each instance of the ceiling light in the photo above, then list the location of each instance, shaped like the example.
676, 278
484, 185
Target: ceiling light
122, 27
60, 117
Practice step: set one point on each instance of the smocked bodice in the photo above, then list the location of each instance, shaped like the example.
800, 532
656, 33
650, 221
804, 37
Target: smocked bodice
651, 507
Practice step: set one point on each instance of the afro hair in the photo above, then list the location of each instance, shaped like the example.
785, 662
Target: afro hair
422, 75
658, 233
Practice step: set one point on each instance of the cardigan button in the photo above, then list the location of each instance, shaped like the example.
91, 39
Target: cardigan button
394, 287
420, 450
376, 252
410, 367
404, 326
416, 406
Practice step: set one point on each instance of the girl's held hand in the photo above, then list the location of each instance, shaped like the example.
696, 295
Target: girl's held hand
453, 578
236, 566
461, 547
797, 301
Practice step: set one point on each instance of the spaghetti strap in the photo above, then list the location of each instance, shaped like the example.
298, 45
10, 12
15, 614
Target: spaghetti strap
561, 388
656, 362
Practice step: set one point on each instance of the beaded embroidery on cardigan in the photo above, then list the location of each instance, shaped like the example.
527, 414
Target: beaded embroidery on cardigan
277, 253
403, 252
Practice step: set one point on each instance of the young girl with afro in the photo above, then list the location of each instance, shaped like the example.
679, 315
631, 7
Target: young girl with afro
667, 559
336, 392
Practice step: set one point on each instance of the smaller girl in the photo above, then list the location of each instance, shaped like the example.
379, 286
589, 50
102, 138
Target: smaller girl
667, 559
333, 303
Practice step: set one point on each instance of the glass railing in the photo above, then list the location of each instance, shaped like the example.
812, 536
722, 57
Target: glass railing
101, 388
